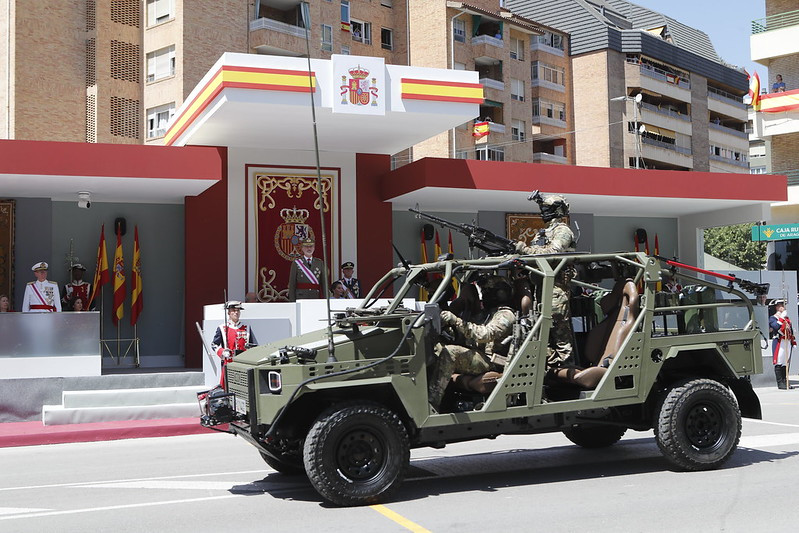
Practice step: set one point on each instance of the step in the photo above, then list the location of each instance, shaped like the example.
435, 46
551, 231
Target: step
131, 397
57, 414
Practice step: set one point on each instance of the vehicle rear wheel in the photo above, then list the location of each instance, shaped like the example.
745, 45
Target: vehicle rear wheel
289, 465
356, 453
594, 435
698, 425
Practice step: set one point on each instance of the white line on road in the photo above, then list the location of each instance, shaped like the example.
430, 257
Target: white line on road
772, 423
18, 510
240, 486
767, 441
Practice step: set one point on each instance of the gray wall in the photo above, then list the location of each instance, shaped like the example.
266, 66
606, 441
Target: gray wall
43, 232
615, 234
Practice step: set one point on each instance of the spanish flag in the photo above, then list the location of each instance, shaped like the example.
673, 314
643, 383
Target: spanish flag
423, 296
753, 97
481, 129
119, 283
136, 301
101, 275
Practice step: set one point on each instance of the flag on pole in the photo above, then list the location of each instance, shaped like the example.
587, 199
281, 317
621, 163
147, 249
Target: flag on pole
437, 247
753, 97
646, 243
101, 275
136, 301
423, 296
118, 310
451, 250
635, 241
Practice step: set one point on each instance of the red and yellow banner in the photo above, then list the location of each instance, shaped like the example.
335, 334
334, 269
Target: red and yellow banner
779, 102
118, 310
481, 129
442, 91
101, 275
136, 300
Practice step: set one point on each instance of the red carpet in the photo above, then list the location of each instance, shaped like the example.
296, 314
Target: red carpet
35, 433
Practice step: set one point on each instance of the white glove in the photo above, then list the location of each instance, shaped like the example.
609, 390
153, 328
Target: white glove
227, 355
448, 318
520, 246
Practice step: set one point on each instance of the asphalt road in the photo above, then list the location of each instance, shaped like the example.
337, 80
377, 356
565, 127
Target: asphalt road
521, 483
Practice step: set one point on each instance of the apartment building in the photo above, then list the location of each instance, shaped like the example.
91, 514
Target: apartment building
649, 91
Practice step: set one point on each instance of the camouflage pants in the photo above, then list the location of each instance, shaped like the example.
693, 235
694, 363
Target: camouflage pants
559, 351
453, 359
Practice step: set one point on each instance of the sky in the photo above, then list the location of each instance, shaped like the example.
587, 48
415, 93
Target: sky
728, 23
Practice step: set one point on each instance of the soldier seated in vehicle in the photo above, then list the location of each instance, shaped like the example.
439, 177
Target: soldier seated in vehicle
478, 347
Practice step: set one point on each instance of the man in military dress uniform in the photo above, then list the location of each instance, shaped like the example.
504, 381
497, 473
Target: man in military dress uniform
557, 237
782, 343
232, 338
480, 347
41, 296
77, 288
305, 277
353, 285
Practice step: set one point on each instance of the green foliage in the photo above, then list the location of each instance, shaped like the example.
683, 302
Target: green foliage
734, 244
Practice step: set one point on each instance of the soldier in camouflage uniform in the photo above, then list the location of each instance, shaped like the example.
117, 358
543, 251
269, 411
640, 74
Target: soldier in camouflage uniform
557, 237
481, 347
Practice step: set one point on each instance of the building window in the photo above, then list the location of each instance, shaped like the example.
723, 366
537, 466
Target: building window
327, 38
386, 39
459, 66
361, 31
159, 11
545, 108
459, 30
516, 49
490, 153
461, 154
757, 170
345, 14
158, 118
345, 50
517, 130
550, 39
161, 63
550, 73
516, 90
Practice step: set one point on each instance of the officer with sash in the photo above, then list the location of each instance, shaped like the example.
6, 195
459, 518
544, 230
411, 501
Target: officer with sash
41, 296
351, 284
77, 288
305, 277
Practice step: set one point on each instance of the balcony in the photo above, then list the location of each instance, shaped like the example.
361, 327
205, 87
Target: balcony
657, 81
489, 40
667, 146
544, 157
492, 84
768, 124
269, 36
774, 36
666, 111
727, 160
493, 127
729, 131
536, 46
276, 25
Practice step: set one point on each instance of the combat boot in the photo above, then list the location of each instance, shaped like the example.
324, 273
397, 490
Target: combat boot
779, 373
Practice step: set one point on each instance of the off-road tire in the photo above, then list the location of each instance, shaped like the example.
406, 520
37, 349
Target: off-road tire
698, 425
356, 453
594, 436
289, 466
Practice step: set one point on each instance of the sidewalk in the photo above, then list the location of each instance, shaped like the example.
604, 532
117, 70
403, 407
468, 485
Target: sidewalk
36, 433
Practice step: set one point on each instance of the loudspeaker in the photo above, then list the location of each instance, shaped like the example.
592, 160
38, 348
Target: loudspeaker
428, 231
120, 225
640, 235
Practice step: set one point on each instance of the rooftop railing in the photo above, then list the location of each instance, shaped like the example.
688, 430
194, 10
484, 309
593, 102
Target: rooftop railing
775, 22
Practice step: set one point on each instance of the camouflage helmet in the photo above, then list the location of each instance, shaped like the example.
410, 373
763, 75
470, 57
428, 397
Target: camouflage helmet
496, 291
554, 206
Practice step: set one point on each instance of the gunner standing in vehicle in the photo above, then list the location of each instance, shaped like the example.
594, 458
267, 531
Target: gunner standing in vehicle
232, 338
557, 237
482, 348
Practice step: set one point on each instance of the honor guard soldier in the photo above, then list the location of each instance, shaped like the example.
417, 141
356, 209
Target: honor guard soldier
232, 337
77, 288
352, 285
782, 342
41, 296
305, 277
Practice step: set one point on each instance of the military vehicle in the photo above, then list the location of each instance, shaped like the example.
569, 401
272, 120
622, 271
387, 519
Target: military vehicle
345, 409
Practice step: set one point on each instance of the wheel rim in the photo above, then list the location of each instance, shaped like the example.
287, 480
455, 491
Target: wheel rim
704, 427
361, 455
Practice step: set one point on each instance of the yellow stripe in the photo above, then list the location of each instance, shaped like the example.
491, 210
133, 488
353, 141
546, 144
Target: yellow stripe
442, 90
399, 519
200, 100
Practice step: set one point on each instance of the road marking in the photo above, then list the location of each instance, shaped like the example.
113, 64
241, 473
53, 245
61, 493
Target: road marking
19, 510
766, 441
82, 483
772, 423
399, 519
238, 486
117, 507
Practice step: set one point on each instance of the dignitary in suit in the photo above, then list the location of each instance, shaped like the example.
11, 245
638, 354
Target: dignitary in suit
77, 288
351, 284
232, 337
41, 296
306, 274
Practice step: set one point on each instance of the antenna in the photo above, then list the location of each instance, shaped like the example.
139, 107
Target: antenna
306, 19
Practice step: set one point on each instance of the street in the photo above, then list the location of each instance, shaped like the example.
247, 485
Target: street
513, 483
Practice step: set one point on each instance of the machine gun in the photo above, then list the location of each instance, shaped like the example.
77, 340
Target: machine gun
481, 238
748, 286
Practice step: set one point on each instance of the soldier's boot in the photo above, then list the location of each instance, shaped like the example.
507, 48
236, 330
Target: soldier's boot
779, 373
481, 384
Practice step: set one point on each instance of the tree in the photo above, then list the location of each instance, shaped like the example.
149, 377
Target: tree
734, 244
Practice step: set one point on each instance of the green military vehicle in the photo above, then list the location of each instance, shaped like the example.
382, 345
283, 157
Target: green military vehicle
345, 405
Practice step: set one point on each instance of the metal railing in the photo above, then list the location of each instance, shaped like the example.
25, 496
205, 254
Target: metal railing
660, 74
719, 94
276, 25
665, 111
775, 22
722, 159
488, 39
667, 146
793, 176
725, 129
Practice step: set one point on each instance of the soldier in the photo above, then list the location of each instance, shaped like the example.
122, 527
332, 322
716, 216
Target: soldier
782, 342
77, 288
232, 338
41, 296
305, 277
557, 237
482, 348
352, 285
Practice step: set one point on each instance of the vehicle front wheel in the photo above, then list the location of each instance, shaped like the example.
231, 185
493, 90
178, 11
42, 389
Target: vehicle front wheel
291, 466
356, 453
594, 436
698, 425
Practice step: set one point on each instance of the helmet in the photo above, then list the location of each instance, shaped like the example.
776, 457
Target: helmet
554, 206
496, 290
